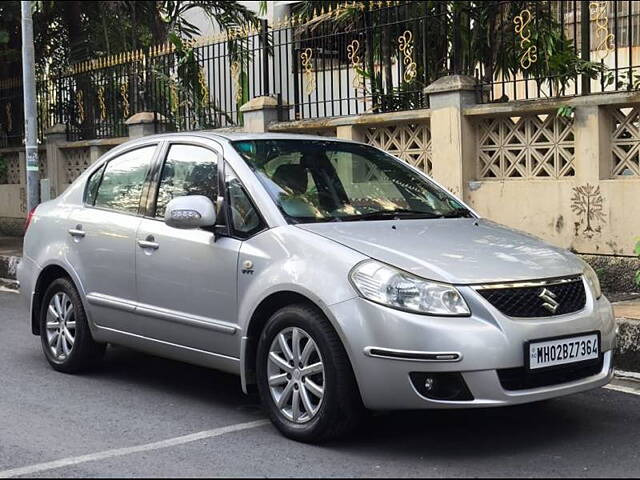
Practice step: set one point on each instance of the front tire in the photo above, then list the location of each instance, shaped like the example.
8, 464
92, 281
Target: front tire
305, 379
64, 332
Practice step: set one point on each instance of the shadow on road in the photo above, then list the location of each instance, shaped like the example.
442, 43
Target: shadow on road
475, 432
445, 433
187, 382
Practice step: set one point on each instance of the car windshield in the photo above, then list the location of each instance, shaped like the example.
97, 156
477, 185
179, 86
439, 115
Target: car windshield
322, 181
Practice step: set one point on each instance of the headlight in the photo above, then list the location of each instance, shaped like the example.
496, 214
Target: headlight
592, 280
389, 286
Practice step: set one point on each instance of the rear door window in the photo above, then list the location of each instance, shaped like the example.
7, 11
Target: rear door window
123, 180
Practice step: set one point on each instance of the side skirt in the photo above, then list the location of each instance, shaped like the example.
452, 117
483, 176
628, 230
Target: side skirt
168, 350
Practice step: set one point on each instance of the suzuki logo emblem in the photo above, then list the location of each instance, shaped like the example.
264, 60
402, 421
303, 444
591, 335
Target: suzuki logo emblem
550, 302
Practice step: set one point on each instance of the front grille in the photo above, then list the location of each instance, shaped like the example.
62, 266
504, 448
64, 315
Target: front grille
521, 379
525, 301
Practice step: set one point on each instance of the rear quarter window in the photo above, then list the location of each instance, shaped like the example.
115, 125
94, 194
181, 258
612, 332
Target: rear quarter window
92, 186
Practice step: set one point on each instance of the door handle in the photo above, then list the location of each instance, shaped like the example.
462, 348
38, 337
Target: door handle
77, 232
150, 243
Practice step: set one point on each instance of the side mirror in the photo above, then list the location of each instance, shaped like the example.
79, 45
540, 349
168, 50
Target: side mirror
190, 212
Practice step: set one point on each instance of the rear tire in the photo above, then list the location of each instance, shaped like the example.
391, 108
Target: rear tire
64, 332
317, 375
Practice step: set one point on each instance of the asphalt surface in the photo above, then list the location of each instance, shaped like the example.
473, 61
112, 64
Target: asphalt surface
135, 399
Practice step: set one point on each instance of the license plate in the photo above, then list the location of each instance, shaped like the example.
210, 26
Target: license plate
560, 351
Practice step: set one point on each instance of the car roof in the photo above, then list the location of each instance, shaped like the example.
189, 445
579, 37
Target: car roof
240, 136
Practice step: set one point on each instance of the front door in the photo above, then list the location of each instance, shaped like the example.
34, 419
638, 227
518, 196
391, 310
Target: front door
186, 279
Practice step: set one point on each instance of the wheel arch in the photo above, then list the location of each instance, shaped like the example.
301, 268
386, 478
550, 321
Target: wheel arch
261, 313
49, 274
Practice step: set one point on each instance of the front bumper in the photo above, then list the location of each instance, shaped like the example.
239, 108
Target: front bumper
476, 347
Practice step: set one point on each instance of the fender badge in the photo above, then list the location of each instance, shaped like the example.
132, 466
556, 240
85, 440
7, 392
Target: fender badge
247, 267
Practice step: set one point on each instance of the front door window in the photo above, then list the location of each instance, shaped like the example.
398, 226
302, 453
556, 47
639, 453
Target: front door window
188, 170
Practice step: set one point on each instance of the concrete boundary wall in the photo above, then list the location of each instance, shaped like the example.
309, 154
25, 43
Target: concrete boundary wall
12, 187
60, 162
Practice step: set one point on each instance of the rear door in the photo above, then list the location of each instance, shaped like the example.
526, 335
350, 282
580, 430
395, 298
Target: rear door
186, 279
102, 236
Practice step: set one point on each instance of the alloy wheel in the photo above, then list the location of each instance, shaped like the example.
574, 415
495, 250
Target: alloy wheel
296, 375
61, 326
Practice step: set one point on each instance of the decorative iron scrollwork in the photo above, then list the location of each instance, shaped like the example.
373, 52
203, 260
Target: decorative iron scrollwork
101, 105
124, 94
601, 20
203, 86
174, 96
80, 105
235, 76
356, 64
530, 55
406, 47
306, 57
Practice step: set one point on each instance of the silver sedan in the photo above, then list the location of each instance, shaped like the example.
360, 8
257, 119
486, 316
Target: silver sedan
327, 274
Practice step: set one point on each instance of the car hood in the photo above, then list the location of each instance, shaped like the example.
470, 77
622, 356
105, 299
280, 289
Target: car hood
460, 250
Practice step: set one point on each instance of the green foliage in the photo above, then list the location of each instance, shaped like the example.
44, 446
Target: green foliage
487, 40
71, 31
495, 47
626, 80
174, 14
565, 111
185, 90
192, 92
558, 60
67, 32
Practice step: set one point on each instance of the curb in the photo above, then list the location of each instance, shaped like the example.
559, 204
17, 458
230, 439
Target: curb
627, 356
8, 285
8, 264
627, 382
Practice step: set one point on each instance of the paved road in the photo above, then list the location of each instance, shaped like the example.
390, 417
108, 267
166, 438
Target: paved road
136, 400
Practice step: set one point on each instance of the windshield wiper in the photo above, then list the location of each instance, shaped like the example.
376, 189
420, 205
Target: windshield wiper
457, 213
389, 214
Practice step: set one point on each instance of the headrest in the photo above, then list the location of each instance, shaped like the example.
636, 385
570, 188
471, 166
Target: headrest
294, 177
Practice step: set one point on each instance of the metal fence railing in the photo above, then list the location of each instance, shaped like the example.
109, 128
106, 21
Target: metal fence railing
11, 112
348, 58
545, 49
